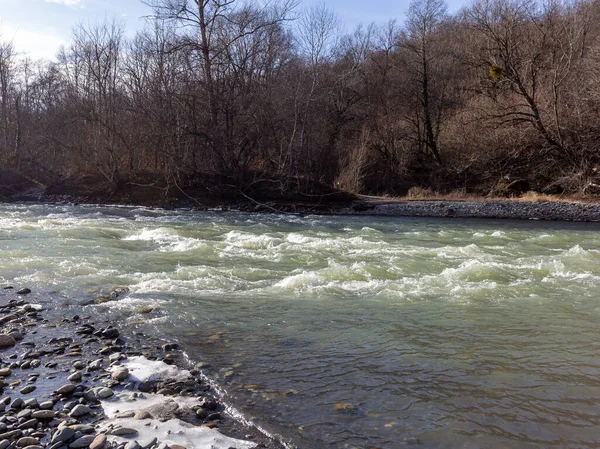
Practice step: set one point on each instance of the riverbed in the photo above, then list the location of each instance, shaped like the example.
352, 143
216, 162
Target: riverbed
346, 331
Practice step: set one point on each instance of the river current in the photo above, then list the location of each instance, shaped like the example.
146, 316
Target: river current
347, 332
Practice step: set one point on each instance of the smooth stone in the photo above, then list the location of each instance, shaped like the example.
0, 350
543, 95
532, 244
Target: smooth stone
17, 403
75, 377
104, 393
121, 373
27, 441
80, 410
99, 441
5, 372
143, 414
30, 424
96, 364
122, 431
24, 291
24, 414
126, 414
132, 445
63, 434
28, 389
66, 389
47, 405
78, 364
83, 428
43, 414
31, 403
34, 446
6, 341
176, 446
4, 444
84, 441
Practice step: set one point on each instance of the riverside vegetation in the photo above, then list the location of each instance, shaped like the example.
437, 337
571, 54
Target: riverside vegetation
249, 101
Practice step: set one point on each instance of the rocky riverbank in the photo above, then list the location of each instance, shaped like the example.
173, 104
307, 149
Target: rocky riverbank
493, 209
72, 382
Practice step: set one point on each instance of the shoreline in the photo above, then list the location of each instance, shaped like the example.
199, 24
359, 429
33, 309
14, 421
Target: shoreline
381, 207
80, 382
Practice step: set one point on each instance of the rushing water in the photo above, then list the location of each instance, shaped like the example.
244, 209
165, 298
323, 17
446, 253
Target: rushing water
349, 331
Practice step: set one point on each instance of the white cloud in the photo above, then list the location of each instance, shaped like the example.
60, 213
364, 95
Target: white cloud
43, 44
66, 2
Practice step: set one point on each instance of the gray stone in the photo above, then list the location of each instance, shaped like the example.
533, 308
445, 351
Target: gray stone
29, 424
4, 444
84, 441
143, 414
80, 410
75, 377
5, 372
104, 393
28, 389
24, 291
132, 445
27, 441
78, 364
47, 405
83, 428
17, 403
6, 341
63, 434
122, 431
24, 413
31, 403
43, 414
164, 411
66, 389
96, 364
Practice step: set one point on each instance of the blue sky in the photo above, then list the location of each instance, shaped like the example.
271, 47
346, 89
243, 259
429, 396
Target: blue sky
39, 27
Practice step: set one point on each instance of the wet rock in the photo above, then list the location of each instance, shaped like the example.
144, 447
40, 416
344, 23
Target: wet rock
63, 434
98, 442
201, 413
24, 414
82, 442
122, 431
66, 389
5, 372
46, 405
29, 424
27, 441
31, 403
17, 403
6, 341
24, 291
147, 386
96, 364
79, 410
110, 332
28, 389
121, 373
4, 444
75, 377
43, 414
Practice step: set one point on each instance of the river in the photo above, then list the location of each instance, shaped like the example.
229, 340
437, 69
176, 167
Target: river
347, 332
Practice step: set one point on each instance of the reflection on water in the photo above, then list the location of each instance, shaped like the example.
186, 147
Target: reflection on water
350, 331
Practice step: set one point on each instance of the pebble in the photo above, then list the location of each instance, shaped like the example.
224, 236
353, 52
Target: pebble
27, 441
24, 291
17, 403
78, 364
31, 403
132, 445
121, 373
63, 434
46, 405
96, 364
4, 444
66, 389
29, 424
98, 442
84, 441
146, 444
6, 341
28, 389
5, 372
142, 414
75, 377
122, 431
104, 393
79, 410
83, 428
43, 414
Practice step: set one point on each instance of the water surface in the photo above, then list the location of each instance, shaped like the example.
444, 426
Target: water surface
348, 331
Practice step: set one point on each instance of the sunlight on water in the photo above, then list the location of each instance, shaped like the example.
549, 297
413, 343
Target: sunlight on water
348, 331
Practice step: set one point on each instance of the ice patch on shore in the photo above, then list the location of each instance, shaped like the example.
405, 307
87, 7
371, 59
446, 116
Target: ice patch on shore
173, 431
141, 369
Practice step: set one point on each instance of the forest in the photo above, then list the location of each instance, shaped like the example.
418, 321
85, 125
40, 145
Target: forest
498, 98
